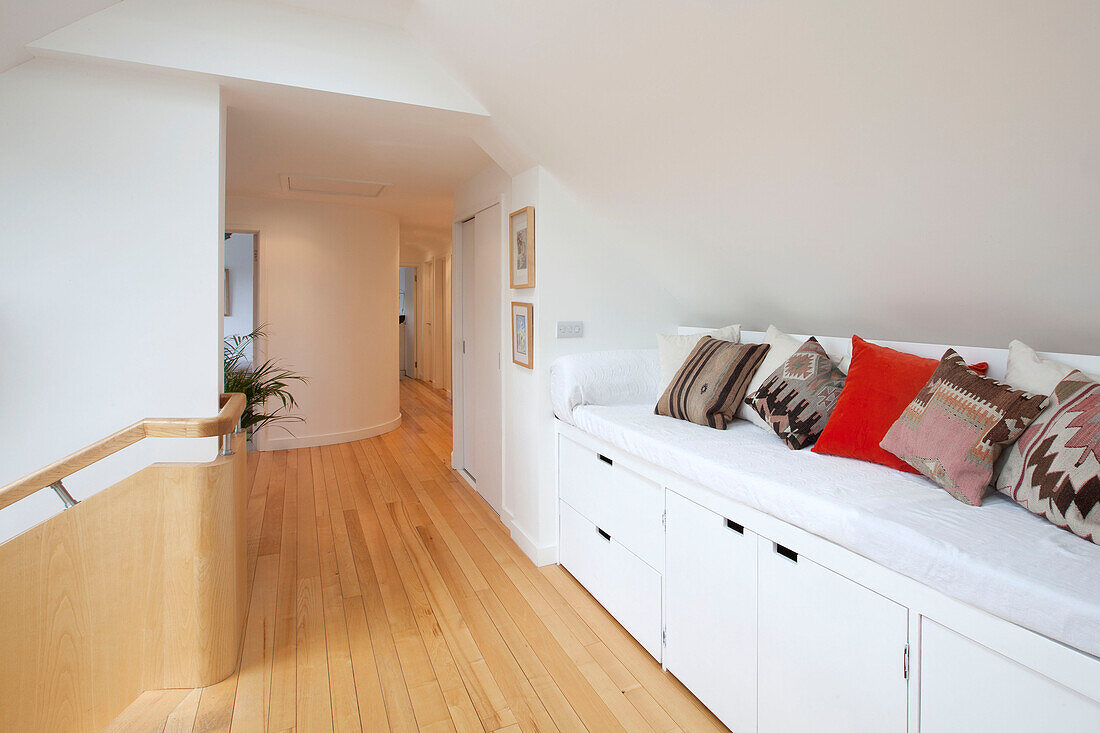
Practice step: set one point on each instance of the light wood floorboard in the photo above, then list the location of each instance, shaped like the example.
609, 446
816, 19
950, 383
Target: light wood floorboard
384, 594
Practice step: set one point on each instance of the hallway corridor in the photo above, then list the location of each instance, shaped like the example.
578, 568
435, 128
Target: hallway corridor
386, 595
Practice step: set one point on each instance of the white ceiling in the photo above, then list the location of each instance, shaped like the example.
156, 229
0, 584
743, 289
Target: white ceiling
274, 131
390, 12
23, 21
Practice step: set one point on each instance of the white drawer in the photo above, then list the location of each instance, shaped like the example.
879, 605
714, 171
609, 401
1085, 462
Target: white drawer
619, 501
627, 587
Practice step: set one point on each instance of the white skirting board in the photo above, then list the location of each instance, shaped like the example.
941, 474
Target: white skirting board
312, 441
540, 555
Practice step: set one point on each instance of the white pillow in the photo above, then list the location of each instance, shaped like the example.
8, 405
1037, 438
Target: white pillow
782, 348
1029, 371
844, 363
674, 349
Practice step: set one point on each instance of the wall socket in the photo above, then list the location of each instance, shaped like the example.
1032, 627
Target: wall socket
570, 329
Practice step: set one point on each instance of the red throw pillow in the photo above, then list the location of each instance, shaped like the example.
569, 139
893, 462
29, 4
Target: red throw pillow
881, 383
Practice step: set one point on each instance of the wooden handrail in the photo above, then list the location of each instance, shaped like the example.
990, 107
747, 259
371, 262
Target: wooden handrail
232, 406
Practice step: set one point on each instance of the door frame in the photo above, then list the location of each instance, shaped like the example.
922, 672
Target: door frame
414, 372
458, 398
259, 306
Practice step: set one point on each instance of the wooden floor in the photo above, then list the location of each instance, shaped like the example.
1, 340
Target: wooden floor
386, 595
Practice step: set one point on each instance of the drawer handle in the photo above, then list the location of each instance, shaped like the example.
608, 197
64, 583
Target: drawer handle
603, 534
738, 528
786, 552
605, 459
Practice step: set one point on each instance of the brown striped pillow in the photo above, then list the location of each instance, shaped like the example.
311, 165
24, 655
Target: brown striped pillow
711, 383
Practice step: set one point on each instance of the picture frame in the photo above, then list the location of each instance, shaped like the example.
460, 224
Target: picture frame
521, 248
226, 313
522, 342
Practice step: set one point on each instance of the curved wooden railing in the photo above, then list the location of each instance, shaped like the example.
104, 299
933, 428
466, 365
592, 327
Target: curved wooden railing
141, 586
225, 423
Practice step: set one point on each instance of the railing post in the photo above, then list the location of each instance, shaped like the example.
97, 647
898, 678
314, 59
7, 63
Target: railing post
63, 494
227, 439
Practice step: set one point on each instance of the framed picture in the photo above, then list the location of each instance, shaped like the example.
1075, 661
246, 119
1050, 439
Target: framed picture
521, 248
522, 316
226, 292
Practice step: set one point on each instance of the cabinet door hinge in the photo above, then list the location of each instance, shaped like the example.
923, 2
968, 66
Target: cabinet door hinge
664, 519
905, 662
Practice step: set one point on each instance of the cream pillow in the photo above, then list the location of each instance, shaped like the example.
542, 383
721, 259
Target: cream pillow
674, 349
1033, 373
782, 348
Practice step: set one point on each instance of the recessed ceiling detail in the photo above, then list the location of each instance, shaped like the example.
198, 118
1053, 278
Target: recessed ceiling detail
333, 186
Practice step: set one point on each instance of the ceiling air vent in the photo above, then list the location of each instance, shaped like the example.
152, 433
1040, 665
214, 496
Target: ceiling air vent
334, 186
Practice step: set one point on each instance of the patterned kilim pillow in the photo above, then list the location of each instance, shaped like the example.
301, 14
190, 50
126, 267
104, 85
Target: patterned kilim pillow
711, 383
957, 426
1054, 468
797, 399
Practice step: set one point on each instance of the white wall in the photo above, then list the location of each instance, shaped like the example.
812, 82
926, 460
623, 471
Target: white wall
328, 292
526, 391
110, 289
238, 260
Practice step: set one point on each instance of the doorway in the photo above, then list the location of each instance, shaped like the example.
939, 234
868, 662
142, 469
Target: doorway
239, 316
406, 321
481, 251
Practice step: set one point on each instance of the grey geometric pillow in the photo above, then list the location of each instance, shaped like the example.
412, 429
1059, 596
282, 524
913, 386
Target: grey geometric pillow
798, 398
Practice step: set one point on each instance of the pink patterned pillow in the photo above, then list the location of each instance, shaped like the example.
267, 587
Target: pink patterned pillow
957, 426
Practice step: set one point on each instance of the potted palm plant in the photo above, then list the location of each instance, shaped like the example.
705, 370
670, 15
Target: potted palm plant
264, 385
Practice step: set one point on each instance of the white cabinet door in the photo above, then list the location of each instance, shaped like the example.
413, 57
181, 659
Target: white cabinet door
966, 686
831, 652
710, 610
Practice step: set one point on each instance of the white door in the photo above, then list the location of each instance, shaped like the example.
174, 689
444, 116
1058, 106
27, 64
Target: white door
710, 610
425, 355
966, 686
831, 653
486, 359
469, 337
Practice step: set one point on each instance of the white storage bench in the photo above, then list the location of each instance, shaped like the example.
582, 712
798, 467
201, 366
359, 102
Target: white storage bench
776, 625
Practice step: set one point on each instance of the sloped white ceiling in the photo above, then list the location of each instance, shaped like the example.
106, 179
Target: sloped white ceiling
265, 42
910, 169
22, 21
390, 12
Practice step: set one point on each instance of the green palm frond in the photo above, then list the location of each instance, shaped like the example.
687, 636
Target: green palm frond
263, 385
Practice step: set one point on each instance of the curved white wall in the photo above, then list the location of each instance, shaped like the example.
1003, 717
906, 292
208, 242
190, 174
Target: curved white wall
327, 279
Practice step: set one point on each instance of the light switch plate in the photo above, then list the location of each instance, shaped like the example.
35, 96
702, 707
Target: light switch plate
570, 329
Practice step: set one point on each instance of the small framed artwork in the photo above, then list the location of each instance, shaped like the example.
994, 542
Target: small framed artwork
521, 237
226, 292
522, 316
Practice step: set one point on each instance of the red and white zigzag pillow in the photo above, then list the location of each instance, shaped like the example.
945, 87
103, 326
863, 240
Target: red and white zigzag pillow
1054, 468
